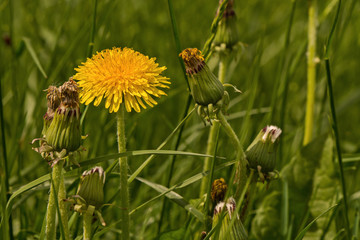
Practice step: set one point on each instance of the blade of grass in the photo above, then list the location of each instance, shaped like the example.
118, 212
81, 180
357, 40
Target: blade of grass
303, 231
89, 54
147, 161
90, 162
338, 147
4, 174
177, 198
184, 183
34, 56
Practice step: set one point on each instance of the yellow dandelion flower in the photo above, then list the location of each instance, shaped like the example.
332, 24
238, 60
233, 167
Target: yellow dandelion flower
120, 76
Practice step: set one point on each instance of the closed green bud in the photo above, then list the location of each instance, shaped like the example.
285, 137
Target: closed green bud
204, 85
64, 129
237, 231
227, 32
91, 188
261, 154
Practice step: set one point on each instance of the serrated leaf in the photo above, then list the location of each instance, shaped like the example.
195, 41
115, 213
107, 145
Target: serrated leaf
324, 193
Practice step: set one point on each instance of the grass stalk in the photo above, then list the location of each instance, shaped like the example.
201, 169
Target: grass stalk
124, 192
311, 72
51, 208
212, 136
89, 54
87, 218
338, 147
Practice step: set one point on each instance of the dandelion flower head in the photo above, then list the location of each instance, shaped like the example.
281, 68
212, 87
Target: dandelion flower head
120, 76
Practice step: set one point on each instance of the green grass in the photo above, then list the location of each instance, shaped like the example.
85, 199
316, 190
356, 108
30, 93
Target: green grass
50, 38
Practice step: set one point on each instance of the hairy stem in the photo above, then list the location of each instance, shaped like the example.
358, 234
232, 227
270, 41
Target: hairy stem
124, 192
63, 208
51, 208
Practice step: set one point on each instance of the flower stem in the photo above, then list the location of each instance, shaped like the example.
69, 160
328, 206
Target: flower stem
311, 72
51, 208
124, 192
212, 137
63, 207
87, 218
240, 155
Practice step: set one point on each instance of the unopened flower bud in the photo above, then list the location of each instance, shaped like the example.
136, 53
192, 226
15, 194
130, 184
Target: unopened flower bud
262, 151
204, 85
64, 129
218, 190
227, 32
237, 231
91, 187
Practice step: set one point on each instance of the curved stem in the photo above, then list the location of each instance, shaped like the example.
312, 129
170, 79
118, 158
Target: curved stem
212, 136
241, 177
311, 73
51, 208
124, 192
87, 218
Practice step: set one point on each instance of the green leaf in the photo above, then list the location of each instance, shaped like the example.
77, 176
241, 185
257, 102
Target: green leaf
324, 192
177, 198
299, 174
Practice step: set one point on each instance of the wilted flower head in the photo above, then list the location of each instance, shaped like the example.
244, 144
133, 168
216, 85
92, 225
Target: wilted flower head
218, 190
64, 129
261, 154
120, 76
226, 233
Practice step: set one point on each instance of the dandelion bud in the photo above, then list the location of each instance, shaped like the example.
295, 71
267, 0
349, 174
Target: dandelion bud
64, 129
237, 231
91, 187
218, 190
204, 85
227, 32
261, 154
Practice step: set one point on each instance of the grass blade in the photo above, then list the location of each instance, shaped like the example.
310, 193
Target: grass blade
302, 233
34, 56
177, 198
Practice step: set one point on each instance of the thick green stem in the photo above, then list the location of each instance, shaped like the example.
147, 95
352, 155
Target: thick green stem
63, 208
51, 208
87, 218
124, 192
212, 137
311, 73
240, 155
